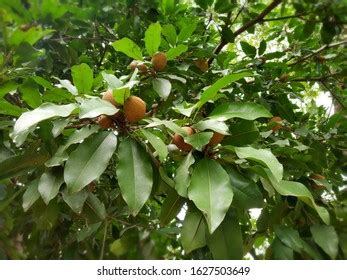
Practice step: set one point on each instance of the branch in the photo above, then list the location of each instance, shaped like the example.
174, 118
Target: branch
333, 94
285, 17
302, 59
246, 26
318, 79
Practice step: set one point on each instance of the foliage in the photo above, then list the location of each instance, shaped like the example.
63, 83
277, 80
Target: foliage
72, 190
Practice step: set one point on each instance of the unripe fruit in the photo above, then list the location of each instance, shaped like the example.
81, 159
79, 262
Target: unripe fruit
276, 126
284, 77
134, 109
105, 122
159, 61
216, 139
314, 184
202, 64
179, 141
108, 96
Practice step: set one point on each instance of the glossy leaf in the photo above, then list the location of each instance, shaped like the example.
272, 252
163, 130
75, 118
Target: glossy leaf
199, 140
326, 238
182, 178
135, 174
49, 185
80, 168
153, 38
75, 200
211, 191
129, 48
82, 76
157, 144
162, 87
176, 51
91, 108
171, 207
31, 195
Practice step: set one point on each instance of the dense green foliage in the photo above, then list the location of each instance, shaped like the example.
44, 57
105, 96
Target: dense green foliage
70, 189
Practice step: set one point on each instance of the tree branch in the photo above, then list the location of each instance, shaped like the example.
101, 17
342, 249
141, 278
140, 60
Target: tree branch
302, 59
247, 25
334, 96
285, 17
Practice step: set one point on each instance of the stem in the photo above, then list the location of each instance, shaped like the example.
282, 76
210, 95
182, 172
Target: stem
333, 94
283, 18
103, 242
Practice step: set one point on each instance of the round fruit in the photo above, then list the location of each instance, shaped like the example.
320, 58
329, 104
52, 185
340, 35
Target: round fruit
133, 65
179, 141
202, 64
275, 122
159, 61
105, 122
216, 139
108, 96
139, 65
142, 67
284, 77
314, 184
134, 109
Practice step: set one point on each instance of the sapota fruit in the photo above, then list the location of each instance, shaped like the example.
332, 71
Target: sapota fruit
105, 122
134, 109
202, 64
139, 65
108, 96
284, 77
216, 138
275, 122
178, 140
159, 61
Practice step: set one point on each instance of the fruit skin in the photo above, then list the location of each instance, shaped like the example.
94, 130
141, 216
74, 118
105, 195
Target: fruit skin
134, 109
159, 61
179, 141
314, 184
202, 64
108, 96
276, 120
216, 139
284, 77
105, 122
139, 65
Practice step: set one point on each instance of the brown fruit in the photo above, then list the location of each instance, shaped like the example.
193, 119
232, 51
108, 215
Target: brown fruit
105, 122
134, 109
284, 77
179, 141
202, 64
159, 61
216, 139
320, 58
314, 184
275, 122
139, 65
108, 96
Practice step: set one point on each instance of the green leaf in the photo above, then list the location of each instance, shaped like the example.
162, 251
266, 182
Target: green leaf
211, 191
182, 178
186, 31
264, 157
226, 242
30, 94
326, 238
91, 108
162, 87
89, 160
111, 80
214, 125
67, 85
135, 174
248, 49
204, 4
75, 200
7, 87
290, 237
174, 52
199, 140
153, 38
129, 48
9, 109
31, 195
289, 188
20, 164
49, 186
262, 47
243, 110
242, 132
170, 208
76, 137
30, 36
82, 76
121, 94
246, 193
157, 144
193, 230
87, 231
281, 251
28, 120
96, 206
212, 90
170, 125
170, 34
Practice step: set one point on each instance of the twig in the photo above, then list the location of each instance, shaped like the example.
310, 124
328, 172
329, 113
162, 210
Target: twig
285, 17
246, 26
333, 94
302, 59
318, 79
103, 242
